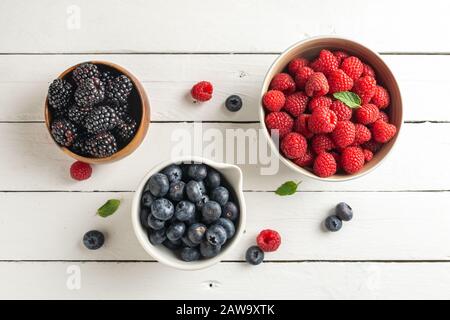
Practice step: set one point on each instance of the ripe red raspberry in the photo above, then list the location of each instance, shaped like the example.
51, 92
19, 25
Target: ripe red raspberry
296, 103
301, 126
280, 121
80, 171
365, 88
383, 116
362, 134
319, 102
353, 67
372, 146
367, 114
302, 76
295, 65
317, 85
274, 100
324, 165
383, 132
352, 159
343, 112
322, 143
337, 158
344, 134
202, 91
368, 71
340, 56
381, 98
293, 145
283, 82
268, 240
368, 155
306, 160
322, 120
325, 63
339, 81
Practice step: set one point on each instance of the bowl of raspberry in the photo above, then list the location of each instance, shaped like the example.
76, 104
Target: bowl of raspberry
331, 108
97, 112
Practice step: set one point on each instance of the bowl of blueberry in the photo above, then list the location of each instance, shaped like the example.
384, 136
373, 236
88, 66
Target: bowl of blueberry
190, 212
97, 112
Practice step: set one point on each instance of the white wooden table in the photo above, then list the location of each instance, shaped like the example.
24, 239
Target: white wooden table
398, 245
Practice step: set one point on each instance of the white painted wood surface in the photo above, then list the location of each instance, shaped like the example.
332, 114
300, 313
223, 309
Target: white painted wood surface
397, 245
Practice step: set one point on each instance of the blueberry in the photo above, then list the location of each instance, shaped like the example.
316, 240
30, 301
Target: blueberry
154, 223
233, 103
208, 250
162, 209
93, 239
158, 185
172, 245
173, 173
197, 172
213, 179
333, 223
143, 216
199, 204
230, 211
157, 237
216, 235
187, 242
220, 195
211, 212
175, 231
189, 254
176, 190
193, 191
147, 199
344, 212
185, 211
254, 255
202, 187
196, 232
228, 225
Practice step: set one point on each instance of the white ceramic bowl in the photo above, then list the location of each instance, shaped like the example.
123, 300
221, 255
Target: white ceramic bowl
232, 174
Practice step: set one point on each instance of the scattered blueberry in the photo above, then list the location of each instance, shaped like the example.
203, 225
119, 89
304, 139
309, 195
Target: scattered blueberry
147, 199
333, 223
185, 211
157, 236
143, 216
175, 231
254, 255
228, 225
189, 254
158, 185
216, 235
154, 223
187, 242
173, 173
208, 250
176, 190
213, 179
220, 195
193, 191
196, 232
344, 211
197, 172
93, 239
211, 212
172, 245
230, 211
162, 209
233, 103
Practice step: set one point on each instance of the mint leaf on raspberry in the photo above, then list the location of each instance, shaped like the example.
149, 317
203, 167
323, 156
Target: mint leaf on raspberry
287, 188
108, 208
350, 99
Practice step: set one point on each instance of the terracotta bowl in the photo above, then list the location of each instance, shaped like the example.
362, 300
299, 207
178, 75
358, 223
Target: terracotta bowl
310, 48
140, 109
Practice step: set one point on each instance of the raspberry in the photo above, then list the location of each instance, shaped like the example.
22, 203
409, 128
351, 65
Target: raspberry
365, 88
368, 71
352, 159
367, 114
368, 155
268, 240
344, 134
301, 126
306, 160
317, 85
293, 145
296, 103
274, 100
383, 132
372, 146
339, 81
337, 158
280, 121
325, 165
381, 98
283, 82
295, 65
340, 56
353, 67
343, 112
383, 116
302, 76
322, 143
362, 134
326, 63
202, 91
319, 102
80, 171
322, 120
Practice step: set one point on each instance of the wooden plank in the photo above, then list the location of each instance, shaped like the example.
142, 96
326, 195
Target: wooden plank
24, 81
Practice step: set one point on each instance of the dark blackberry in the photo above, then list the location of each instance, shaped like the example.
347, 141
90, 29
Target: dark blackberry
90, 92
76, 114
106, 77
59, 94
85, 71
126, 129
119, 89
79, 145
101, 118
101, 145
64, 132
121, 110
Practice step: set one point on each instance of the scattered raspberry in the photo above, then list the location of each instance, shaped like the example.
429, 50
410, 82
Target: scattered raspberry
301, 126
326, 63
283, 82
352, 159
319, 102
322, 143
274, 100
268, 240
322, 120
368, 71
372, 146
317, 85
302, 76
280, 121
344, 134
296, 103
343, 112
367, 114
339, 81
383, 116
353, 67
202, 91
340, 56
293, 145
383, 132
325, 165
365, 88
362, 134
295, 65
381, 98
368, 155
306, 160
80, 171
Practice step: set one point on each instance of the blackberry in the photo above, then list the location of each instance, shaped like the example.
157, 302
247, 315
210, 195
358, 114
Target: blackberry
90, 92
76, 114
85, 71
126, 129
101, 118
64, 132
79, 144
121, 110
119, 89
101, 145
59, 94
106, 77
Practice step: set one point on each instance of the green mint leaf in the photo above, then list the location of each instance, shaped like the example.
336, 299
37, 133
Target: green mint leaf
287, 188
108, 208
352, 100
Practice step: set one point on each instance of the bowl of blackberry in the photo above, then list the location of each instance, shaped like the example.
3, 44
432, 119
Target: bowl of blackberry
189, 213
97, 112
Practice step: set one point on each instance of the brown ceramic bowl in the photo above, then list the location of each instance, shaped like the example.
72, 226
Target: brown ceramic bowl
140, 109
310, 48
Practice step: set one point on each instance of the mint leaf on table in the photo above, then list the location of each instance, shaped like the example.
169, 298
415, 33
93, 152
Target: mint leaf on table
108, 208
351, 99
287, 188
